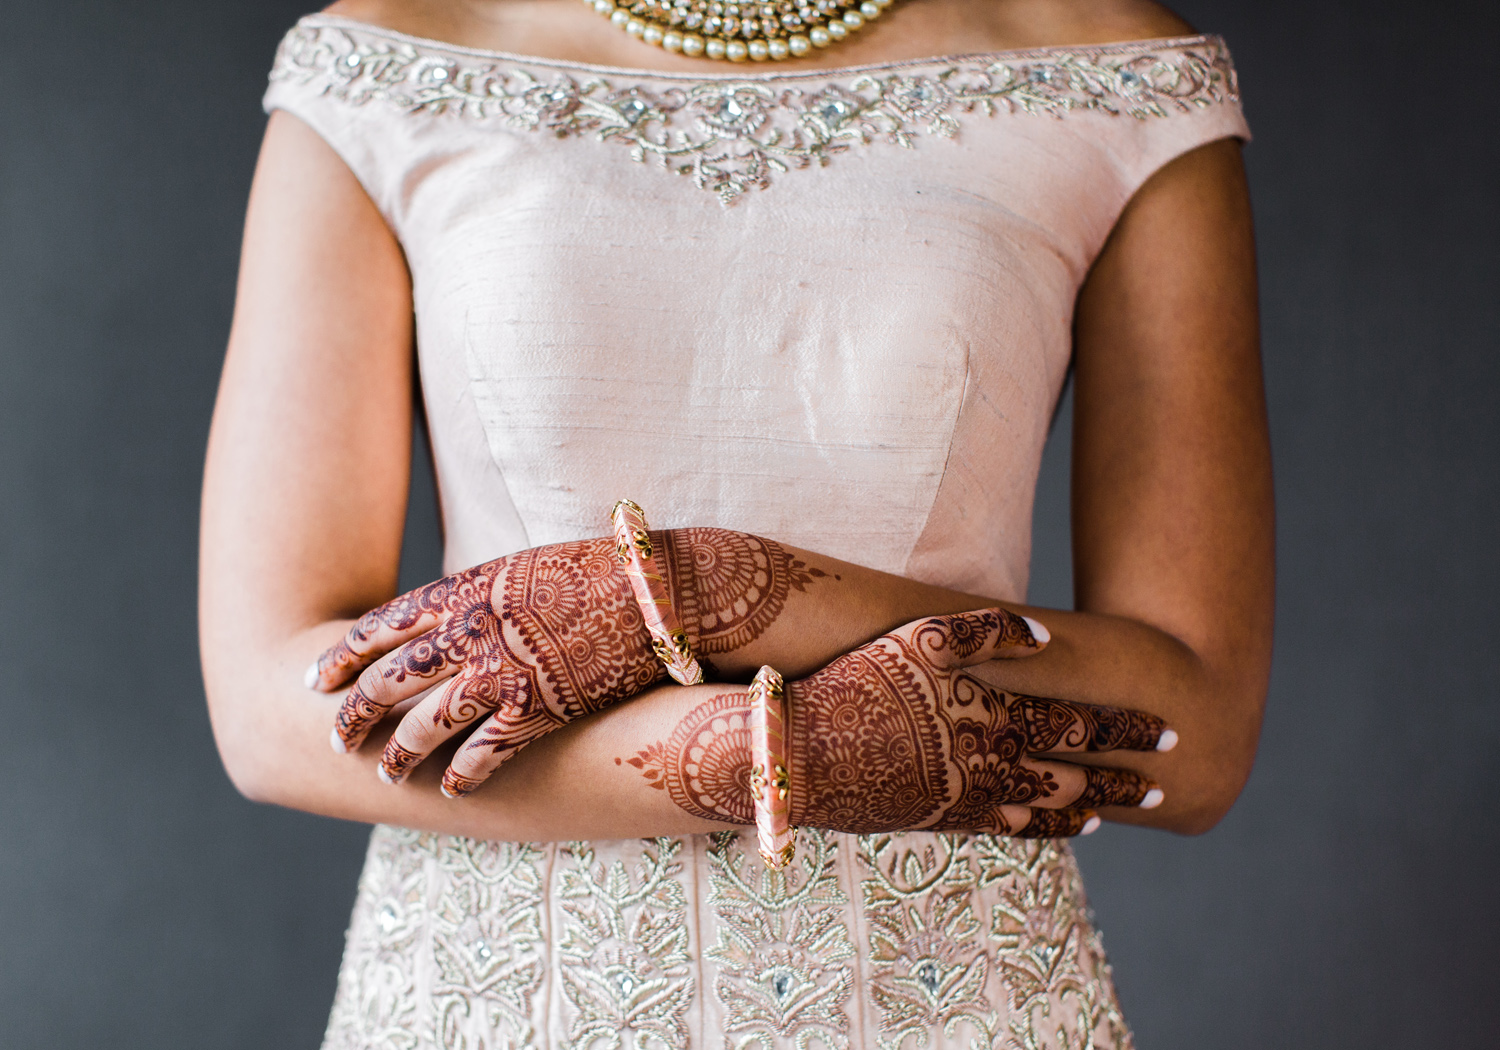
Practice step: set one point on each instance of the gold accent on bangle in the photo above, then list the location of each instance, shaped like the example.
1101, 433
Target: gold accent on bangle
638, 557
770, 777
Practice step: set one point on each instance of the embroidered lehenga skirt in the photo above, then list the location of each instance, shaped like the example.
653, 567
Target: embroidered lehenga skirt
908, 940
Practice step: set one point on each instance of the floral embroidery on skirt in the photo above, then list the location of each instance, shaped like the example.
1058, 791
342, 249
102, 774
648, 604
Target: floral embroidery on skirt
906, 941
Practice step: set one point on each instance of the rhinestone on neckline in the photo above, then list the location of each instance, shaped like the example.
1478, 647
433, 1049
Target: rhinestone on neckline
734, 134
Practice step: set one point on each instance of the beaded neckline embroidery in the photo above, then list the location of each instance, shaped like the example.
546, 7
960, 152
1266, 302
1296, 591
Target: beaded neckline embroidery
733, 134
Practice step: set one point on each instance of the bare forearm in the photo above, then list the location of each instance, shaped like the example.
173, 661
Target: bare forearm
1212, 701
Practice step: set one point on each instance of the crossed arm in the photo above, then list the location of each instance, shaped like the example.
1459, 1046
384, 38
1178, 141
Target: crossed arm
306, 487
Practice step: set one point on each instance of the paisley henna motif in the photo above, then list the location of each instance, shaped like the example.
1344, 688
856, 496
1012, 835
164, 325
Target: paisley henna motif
1054, 725
399, 614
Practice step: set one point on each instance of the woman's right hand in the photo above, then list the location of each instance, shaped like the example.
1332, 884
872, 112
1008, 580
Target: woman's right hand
528, 642
897, 736
535, 640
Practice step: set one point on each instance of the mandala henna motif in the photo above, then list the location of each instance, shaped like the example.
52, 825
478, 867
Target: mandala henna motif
739, 586
569, 641
867, 759
705, 766
1000, 628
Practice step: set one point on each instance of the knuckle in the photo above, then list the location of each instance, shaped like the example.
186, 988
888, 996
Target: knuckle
471, 761
375, 686
418, 731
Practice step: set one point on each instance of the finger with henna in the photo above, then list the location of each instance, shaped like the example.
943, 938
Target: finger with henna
410, 670
1027, 822
1089, 787
379, 631
436, 718
1062, 725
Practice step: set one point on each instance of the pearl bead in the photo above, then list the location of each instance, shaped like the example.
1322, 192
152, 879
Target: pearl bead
837, 30
713, 48
778, 49
635, 27
692, 44
652, 35
620, 18
672, 41
759, 51
870, 9
853, 19
820, 37
736, 51
799, 45
604, 7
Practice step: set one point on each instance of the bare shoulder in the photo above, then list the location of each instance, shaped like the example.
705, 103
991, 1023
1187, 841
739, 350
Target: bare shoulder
425, 18
1051, 23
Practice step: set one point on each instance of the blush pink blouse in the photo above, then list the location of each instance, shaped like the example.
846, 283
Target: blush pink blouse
829, 307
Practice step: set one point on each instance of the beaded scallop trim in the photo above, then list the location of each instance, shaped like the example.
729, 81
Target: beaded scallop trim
732, 135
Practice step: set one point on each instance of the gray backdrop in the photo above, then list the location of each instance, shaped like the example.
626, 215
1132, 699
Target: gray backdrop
1346, 902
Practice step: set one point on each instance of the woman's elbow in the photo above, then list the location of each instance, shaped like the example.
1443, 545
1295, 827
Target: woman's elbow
243, 747
1218, 784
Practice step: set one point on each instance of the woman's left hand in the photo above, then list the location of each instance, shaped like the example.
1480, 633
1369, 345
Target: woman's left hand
896, 735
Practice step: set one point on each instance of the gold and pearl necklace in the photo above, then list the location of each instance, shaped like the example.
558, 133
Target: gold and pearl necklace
755, 29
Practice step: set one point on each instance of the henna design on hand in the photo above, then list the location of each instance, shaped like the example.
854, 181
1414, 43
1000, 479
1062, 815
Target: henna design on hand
895, 735
1055, 726
890, 738
1047, 824
395, 617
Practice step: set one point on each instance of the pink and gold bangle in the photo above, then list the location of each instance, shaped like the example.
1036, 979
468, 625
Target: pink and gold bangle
668, 640
770, 775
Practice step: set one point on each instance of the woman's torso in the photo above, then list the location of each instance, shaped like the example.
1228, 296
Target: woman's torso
832, 308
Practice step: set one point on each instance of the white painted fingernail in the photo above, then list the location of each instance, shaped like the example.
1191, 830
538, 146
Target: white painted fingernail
383, 775
446, 793
337, 742
1038, 631
1154, 798
1167, 741
310, 677
1091, 825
